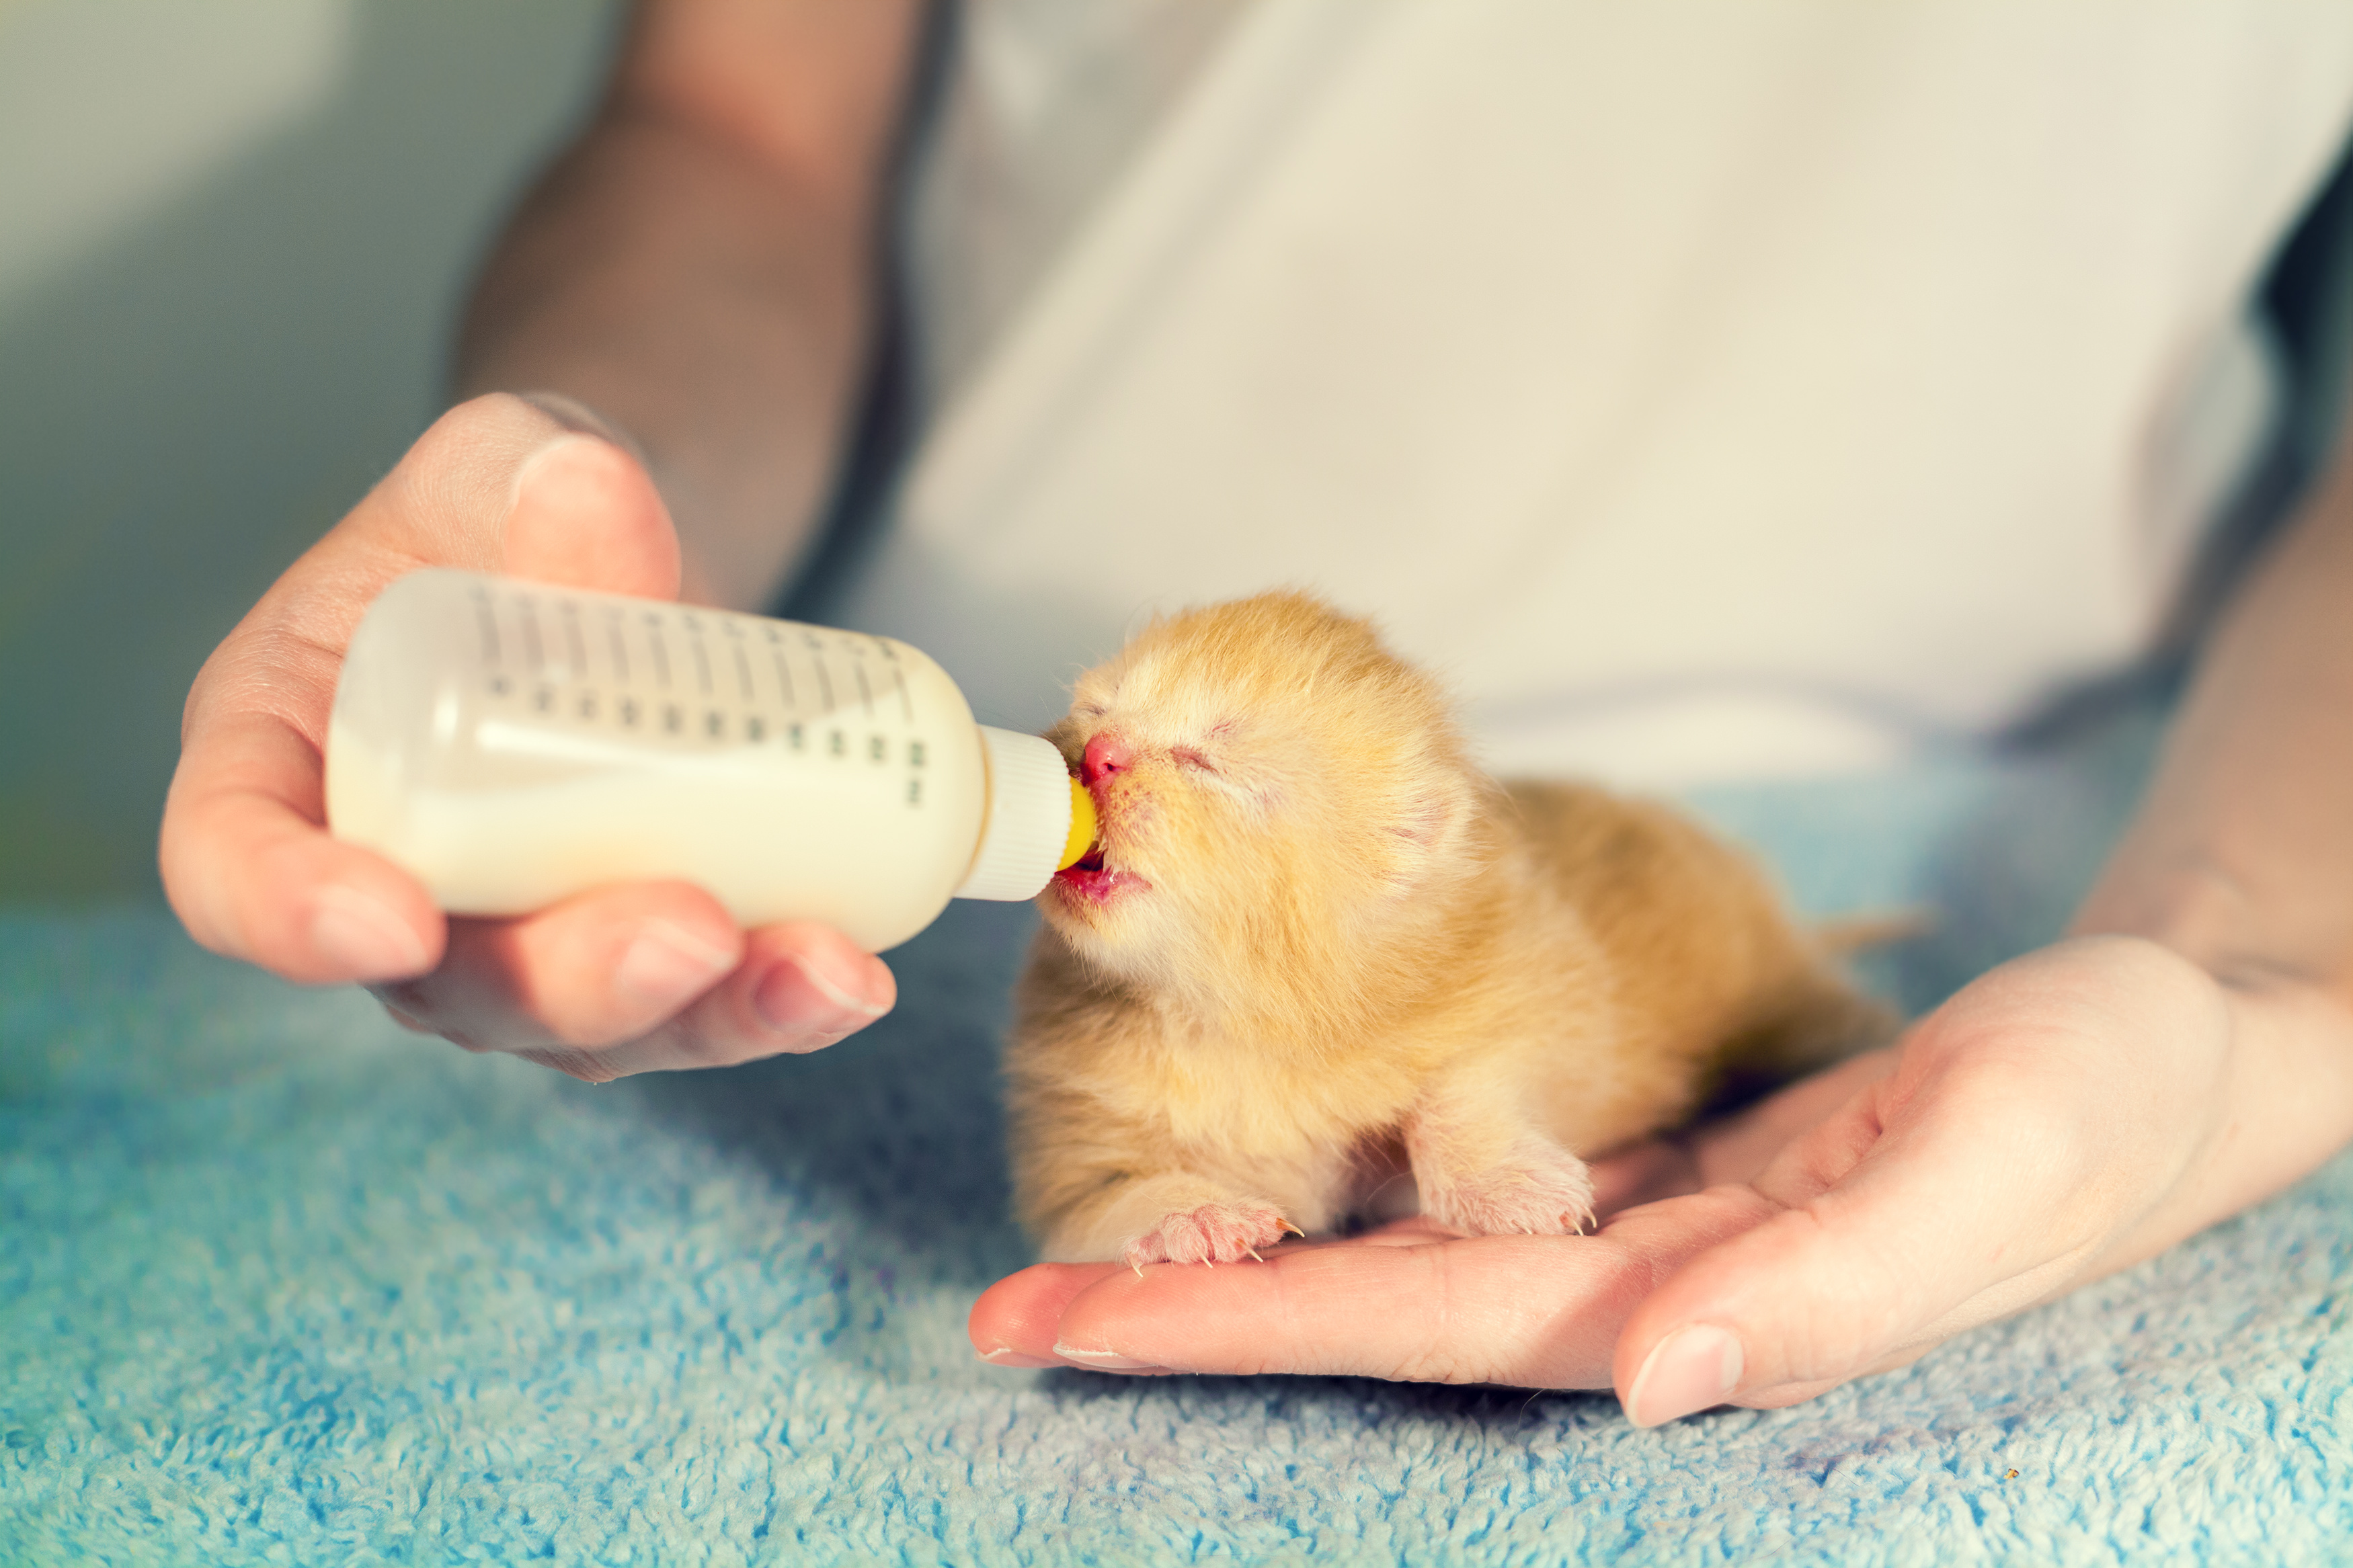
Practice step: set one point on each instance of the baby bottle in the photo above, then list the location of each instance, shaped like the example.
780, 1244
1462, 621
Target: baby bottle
508, 743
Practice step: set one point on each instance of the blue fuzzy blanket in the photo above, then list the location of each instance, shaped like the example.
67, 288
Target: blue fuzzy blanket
282, 1284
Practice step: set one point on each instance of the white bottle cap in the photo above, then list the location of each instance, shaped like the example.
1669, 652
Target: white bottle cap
1029, 820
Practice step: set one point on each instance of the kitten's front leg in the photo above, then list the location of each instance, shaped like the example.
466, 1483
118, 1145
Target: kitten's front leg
1171, 1218
1483, 1169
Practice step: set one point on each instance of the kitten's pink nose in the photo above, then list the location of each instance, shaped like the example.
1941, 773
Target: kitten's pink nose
1105, 755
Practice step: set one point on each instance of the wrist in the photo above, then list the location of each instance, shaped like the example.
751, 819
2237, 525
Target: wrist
2250, 937
2288, 1095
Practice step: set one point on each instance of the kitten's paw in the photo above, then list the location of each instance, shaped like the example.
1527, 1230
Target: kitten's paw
1214, 1233
1539, 1191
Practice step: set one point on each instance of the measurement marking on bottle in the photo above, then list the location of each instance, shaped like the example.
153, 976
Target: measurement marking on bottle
533, 651
914, 753
755, 729
743, 664
543, 699
572, 643
701, 654
673, 718
589, 706
784, 674
499, 685
838, 743
915, 791
660, 648
714, 725
620, 647
899, 679
824, 681
792, 737
486, 614
878, 748
628, 712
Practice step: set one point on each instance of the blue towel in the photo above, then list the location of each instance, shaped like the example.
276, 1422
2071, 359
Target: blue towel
284, 1285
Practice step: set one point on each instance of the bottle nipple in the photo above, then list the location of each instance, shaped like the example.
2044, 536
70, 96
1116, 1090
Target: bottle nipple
1083, 827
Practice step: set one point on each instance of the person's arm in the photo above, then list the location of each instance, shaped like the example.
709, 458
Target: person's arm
2241, 857
2187, 1053
697, 269
689, 282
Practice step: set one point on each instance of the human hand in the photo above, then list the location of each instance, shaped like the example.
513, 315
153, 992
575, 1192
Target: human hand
2068, 1114
615, 981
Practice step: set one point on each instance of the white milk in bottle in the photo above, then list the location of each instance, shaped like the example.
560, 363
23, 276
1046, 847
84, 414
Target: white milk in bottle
510, 744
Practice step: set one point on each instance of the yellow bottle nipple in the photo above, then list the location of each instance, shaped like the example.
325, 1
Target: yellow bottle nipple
1083, 827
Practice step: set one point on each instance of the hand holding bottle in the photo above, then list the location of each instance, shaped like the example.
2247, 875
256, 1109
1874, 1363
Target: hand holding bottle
614, 981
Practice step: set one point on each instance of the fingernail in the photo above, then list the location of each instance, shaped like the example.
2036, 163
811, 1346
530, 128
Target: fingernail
1696, 1366
537, 463
668, 964
1104, 1360
1000, 1356
800, 1000
358, 932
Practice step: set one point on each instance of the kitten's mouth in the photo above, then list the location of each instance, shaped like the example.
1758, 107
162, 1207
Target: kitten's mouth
1091, 879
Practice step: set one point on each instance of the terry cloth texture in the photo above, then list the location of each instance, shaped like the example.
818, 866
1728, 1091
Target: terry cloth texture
284, 1285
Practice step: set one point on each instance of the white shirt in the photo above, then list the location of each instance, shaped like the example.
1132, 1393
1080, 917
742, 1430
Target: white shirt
1708, 389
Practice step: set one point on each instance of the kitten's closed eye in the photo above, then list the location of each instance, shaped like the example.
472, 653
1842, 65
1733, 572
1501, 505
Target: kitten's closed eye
1187, 757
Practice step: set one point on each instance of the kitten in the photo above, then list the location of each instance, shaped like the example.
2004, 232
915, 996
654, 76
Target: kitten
1314, 944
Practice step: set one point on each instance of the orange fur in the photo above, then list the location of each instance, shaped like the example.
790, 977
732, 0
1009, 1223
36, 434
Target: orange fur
1322, 941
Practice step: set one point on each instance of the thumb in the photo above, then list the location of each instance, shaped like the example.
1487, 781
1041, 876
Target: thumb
586, 514
1898, 1228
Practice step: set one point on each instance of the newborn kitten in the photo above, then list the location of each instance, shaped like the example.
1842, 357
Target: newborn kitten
1314, 943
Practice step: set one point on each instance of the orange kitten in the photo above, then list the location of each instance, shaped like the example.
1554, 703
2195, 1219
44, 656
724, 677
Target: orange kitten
1315, 942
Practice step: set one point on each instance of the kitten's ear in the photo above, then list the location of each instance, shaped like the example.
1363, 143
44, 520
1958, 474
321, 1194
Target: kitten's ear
1427, 834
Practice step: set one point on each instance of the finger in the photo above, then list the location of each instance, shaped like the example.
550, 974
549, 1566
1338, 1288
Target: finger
585, 515
648, 977
502, 484
810, 984
596, 970
800, 987
1015, 1321
1642, 1173
251, 874
2034, 1125
1734, 1148
1893, 1232
1414, 1230
1542, 1312
1738, 1148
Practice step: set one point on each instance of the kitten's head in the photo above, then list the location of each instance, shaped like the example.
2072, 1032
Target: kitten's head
1274, 789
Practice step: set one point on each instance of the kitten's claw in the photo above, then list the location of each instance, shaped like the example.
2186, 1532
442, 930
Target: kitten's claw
1294, 1230
1211, 1234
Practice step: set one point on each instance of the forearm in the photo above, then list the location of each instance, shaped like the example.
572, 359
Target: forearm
701, 278
2241, 857
2241, 861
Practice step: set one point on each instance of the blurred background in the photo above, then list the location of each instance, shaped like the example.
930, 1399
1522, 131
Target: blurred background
233, 236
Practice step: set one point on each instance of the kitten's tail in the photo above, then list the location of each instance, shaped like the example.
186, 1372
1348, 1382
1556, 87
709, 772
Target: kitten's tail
1843, 936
